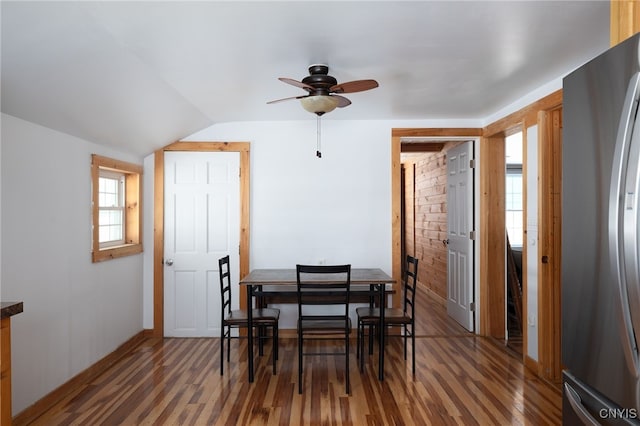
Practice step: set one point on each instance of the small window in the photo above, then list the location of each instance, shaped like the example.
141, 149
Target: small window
117, 210
514, 190
111, 208
514, 219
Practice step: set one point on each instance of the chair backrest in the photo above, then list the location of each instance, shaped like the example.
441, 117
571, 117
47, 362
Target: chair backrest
225, 284
409, 285
323, 285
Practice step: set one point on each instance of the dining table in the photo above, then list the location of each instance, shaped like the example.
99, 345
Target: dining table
279, 286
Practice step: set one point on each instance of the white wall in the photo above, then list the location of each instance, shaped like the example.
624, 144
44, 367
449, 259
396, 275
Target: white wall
1, 211
75, 311
147, 240
306, 209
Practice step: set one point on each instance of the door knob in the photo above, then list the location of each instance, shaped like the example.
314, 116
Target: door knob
168, 262
445, 242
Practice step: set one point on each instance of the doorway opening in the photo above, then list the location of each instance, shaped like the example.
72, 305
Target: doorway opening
424, 228
514, 221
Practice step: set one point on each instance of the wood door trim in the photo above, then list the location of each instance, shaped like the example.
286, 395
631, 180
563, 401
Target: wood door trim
548, 330
492, 237
396, 147
549, 246
158, 217
624, 20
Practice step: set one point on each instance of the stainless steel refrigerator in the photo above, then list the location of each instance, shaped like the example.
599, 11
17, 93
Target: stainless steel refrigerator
600, 235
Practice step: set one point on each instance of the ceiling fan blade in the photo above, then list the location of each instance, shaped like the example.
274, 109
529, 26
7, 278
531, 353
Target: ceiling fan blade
342, 101
297, 83
286, 99
354, 86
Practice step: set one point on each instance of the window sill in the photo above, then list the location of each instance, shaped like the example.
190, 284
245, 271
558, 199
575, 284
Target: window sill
116, 252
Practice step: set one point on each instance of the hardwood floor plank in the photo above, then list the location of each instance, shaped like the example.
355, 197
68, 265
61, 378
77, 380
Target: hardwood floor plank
461, 379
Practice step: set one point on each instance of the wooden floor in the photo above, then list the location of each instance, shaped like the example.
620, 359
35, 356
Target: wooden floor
460, 379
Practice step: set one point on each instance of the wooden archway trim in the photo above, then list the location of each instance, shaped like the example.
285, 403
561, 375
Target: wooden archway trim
396, 239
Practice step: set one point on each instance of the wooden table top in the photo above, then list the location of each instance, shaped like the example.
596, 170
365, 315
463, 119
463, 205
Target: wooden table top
288, 276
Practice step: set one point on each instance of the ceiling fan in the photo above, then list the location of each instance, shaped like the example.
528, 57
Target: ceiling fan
324, 94
323, 91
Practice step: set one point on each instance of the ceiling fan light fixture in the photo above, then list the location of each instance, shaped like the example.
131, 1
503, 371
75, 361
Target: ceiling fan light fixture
323, 93
319, 104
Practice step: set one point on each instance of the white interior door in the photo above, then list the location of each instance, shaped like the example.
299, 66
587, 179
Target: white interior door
202, 224
460, 268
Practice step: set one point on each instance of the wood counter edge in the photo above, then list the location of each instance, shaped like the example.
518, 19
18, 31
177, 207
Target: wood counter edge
8, 309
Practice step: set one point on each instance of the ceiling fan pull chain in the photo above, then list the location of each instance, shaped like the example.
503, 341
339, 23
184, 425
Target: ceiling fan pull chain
318, 153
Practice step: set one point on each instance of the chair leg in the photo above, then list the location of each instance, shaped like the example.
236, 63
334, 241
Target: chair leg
274, 354
405, 342
358, 339
299, 360
360, 343
413, 349
346, 367
222, 351
261, 334
276, 341
362, 336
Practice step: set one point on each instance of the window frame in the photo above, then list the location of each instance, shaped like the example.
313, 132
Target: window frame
120, 179
132, 208
514, 170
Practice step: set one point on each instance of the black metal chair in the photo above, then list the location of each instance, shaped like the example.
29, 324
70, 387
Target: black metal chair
393, 317
263, 318
323, 310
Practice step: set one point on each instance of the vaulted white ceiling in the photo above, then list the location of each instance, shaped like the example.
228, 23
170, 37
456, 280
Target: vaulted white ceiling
139, 75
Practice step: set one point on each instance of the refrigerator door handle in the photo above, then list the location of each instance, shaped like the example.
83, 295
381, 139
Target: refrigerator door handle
630, 232
578, 408
619, 239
